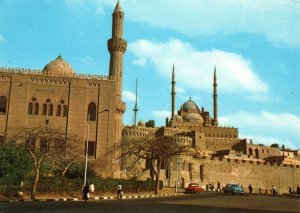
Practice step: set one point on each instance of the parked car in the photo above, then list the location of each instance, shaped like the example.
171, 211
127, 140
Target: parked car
193, 188
233, 189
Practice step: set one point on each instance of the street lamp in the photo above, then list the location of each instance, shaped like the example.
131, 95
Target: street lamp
87, 144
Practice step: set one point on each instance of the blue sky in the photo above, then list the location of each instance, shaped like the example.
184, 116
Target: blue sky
255, 46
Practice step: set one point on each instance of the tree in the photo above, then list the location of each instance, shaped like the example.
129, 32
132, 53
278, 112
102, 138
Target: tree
155, 151
150, 123
52, 148
275, 145
15, 163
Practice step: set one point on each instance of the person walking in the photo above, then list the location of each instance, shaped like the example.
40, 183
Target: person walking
119, 191
273, 190
85, 192
250, 189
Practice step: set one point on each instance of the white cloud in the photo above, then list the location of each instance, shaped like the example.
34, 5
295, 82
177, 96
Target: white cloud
128, 96
1, 38
282, 127
140, 61
179, 90
277, 20
161, 114
194, 68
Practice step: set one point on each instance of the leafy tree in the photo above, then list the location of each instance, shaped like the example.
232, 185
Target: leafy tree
150, 123
275, 145
155, 151
52, 150
15, 163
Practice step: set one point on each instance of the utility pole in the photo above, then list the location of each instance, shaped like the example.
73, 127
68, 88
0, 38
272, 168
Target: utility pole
135, 106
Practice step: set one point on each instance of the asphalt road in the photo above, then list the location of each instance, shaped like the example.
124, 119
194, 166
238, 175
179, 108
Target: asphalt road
204, 202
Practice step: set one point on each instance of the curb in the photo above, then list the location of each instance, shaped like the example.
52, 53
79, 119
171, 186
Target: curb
94, 198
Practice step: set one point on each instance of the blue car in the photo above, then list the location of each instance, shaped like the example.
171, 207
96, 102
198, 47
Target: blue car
233, 189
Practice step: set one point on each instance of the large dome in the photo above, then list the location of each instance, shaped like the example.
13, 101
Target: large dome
190, 105
58, 67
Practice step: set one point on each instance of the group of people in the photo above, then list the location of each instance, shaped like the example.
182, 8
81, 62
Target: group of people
87, 190
297, 190
273, 190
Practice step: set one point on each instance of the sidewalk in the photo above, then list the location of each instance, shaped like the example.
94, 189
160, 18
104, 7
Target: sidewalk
76, 196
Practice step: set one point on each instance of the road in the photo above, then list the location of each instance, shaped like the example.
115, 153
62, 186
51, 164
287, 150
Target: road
204, 202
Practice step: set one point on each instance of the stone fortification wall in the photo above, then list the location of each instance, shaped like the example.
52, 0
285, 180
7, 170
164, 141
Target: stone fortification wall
259, 175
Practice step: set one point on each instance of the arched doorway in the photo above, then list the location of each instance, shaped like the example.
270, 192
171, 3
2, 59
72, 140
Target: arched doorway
256, 153
250, 151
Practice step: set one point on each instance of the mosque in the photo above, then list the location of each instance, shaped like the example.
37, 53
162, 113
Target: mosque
73, 102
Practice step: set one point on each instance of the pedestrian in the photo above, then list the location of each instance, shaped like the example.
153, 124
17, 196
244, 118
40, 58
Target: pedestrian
92, 190
219, 187
290, 190
298, 189
273, 190
119, 191
250, 189
259, 190
85, 192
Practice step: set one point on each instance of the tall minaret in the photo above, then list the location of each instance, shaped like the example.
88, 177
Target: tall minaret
135, 106
215, 100
173, 93
117, 47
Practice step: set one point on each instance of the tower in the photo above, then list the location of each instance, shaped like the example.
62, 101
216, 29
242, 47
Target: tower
173, 93
117, 47
135, 106
215, 99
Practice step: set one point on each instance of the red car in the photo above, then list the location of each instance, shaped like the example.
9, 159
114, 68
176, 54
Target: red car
193, 188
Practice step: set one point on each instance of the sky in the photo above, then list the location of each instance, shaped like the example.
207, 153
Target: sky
254, 45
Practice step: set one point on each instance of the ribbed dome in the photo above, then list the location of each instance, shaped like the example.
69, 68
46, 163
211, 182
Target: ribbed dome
193, 116
190, 105
58, 67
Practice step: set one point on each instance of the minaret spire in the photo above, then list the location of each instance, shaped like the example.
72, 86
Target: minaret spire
117, 47
215, 99
173, 93
135, 106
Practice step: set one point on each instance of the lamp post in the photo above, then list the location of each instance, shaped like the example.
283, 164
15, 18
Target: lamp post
87, 144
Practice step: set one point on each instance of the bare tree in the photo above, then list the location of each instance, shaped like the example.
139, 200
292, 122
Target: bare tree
155, 151
53, 146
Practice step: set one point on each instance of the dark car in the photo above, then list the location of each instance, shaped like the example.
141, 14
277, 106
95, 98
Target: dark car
233, 189
193, 188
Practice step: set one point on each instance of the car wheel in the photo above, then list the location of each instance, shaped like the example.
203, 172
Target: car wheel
233, 192
225, 192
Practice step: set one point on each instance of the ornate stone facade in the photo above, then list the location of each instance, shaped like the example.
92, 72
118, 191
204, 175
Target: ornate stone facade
60, 97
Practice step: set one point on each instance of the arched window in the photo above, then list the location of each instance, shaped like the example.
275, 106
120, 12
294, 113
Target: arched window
3, 103
250, 151
92, 111
58, 110
50, 110
36, 108
256, 153
65, 112
44, 109
30, 106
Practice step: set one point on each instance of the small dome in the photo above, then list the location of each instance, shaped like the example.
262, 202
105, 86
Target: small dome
190, 105
58, 67
178, 118
193, 116
141, 124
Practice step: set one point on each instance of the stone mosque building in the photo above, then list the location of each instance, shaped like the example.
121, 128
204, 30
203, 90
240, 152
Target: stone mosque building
58, 96
218, 152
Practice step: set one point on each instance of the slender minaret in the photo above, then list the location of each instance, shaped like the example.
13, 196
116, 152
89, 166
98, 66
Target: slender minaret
215, 99
135, 106
117, 47
173, 93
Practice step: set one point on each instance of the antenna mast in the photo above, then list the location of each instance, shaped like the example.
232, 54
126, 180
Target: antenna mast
135, 106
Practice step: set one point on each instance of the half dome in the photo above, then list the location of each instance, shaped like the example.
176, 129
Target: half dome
58, 67
193, 117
